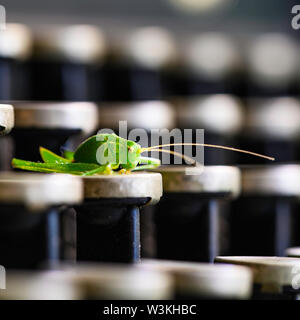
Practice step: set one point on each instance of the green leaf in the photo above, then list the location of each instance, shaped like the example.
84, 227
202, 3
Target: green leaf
50, 157
70, 168
69, 155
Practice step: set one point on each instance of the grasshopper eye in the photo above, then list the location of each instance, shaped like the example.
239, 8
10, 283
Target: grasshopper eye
130, 149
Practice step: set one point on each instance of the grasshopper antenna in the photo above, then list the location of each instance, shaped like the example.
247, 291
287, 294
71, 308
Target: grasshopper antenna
210, 146
186, 158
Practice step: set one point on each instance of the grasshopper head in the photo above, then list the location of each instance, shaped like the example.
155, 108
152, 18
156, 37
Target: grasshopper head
133, 155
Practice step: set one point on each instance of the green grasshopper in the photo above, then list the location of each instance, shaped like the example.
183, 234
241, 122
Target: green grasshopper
106, 154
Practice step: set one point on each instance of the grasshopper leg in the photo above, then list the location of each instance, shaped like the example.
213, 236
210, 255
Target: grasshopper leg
145, 167
147, 163
102, 169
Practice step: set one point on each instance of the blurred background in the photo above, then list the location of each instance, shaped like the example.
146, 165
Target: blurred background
229, 67
238, 16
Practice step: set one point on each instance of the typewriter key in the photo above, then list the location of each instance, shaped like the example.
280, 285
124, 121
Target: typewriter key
31, 233
272, 127
293, 252
139, 70
205, 281
6, 124
220, 116
213, 65
190, 220
15, 50
72, 59
263, 221
157, 118
50, 125
117, 282
263, 53
38, 285
275, 278
108, 222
